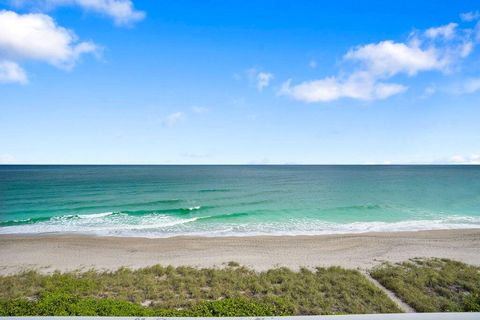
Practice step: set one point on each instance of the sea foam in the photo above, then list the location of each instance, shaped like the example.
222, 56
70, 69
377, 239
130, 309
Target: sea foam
162, 226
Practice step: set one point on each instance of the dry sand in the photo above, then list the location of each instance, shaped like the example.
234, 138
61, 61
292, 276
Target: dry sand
66, 252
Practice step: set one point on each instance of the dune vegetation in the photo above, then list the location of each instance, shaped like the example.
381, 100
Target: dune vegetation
186, 291
433, 285
427, 285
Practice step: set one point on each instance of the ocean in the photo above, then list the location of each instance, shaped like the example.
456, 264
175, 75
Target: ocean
166, 201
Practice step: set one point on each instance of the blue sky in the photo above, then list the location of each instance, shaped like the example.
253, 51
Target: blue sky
163, 82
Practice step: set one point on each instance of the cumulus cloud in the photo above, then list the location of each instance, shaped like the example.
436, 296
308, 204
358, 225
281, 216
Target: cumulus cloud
388, 58
173, 119
357, 86
11, 72
260, 79
435, 49
121, 11
37, 37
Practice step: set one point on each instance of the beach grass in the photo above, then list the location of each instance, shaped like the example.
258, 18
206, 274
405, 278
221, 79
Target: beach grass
433, 285
185, 291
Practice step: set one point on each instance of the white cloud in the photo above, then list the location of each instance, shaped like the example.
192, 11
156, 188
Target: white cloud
446, 31
470, 16
460, 159
386, 90
261, 79
11, 72
372, 65
357, 86
466, 49
323, 90
173, 119
471, 86
388, 58
121, 11
37, 37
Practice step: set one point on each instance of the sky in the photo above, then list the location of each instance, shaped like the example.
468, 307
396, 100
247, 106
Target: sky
239, 82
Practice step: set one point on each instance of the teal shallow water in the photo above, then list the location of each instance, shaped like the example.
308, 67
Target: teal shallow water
163, 201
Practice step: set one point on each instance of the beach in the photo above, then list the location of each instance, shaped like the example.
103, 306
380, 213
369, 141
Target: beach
47, 253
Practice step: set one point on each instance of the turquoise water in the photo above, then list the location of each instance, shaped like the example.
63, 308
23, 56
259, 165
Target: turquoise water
163, 201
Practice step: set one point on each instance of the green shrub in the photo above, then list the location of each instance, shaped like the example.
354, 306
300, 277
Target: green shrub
109, 307
68, 305
242, 307
17, 307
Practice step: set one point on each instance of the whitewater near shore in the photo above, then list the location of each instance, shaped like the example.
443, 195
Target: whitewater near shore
47, 253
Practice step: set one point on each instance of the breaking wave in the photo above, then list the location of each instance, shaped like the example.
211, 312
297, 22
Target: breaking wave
159, 225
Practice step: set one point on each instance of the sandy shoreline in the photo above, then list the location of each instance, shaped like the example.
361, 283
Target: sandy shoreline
69, 252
